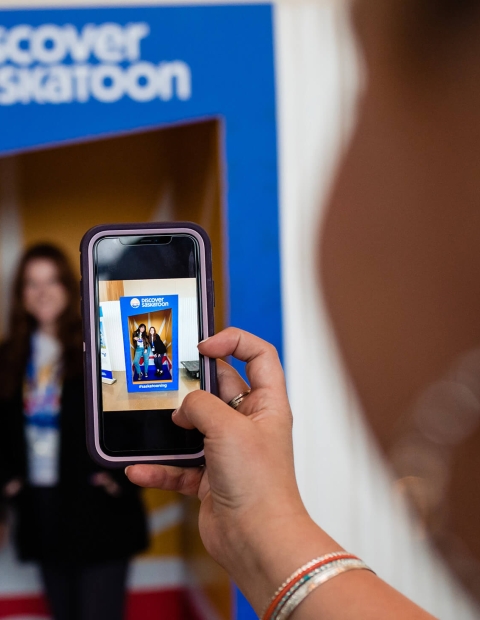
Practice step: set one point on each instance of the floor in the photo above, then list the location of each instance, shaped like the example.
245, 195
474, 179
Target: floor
116, 397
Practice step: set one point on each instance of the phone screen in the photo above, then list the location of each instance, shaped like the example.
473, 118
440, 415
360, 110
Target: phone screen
149, 309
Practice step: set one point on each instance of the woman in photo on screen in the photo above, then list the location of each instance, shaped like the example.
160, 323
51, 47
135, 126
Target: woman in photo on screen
81, 524
158, 348
142, 349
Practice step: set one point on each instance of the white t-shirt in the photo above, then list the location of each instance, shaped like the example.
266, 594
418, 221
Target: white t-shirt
42, 401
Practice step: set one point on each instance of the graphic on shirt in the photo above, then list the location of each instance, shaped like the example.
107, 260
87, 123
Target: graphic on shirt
41, 408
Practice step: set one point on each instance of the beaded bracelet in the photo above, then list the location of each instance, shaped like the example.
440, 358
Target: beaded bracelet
298, 574
292, 592
316, 579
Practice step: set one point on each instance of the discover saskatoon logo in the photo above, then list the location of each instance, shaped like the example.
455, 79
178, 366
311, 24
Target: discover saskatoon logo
58, 64
135, 303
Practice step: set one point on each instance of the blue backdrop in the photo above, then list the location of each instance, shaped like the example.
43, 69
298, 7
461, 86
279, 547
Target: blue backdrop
79, 74
146, 305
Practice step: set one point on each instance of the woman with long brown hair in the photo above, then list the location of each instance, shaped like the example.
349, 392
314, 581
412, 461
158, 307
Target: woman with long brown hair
141, 349
81, 524
158, 348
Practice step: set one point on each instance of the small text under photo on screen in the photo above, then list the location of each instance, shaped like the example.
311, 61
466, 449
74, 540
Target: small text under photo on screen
148, 341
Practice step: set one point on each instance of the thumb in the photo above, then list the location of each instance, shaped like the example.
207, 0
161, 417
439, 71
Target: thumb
205, 412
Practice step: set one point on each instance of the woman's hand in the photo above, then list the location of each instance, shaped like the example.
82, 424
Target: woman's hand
252, 519
12, 488
248, 484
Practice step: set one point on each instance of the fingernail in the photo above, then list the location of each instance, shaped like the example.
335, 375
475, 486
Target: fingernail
202, 341
126, 470
174, 412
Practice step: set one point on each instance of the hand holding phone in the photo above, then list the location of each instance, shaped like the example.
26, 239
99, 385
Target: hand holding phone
147, 300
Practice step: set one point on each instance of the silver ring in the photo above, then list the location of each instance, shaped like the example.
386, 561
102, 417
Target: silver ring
236, 402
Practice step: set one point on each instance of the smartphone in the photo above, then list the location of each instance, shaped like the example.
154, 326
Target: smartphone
147, 301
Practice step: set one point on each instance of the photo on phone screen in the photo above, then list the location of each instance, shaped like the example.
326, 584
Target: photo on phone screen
150, 332
149, 326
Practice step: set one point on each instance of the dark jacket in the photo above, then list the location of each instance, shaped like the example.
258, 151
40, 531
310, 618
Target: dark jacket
74, 522
160, 348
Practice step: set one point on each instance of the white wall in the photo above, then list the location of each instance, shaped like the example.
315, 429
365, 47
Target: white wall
343, 480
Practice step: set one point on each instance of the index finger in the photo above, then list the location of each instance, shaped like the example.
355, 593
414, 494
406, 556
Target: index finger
263, 365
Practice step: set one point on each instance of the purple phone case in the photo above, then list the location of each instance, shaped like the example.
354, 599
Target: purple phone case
89, 330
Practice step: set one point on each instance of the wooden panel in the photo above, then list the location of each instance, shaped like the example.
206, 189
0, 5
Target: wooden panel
111, 291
